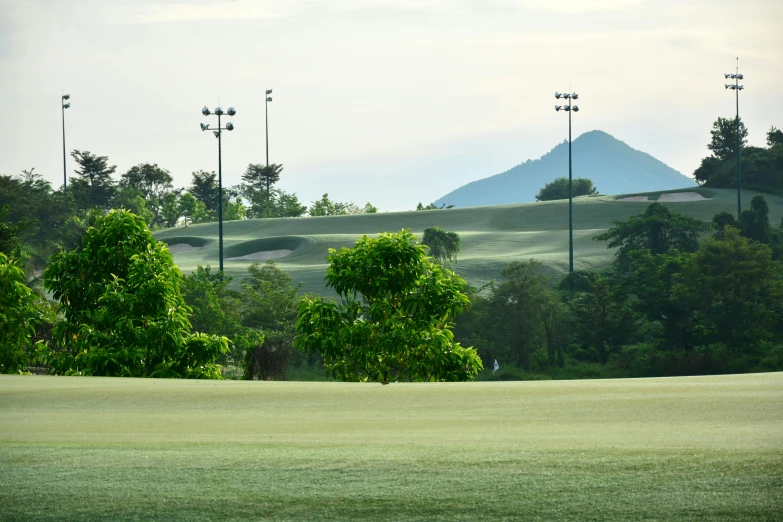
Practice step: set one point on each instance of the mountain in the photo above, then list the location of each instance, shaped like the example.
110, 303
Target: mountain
614, 167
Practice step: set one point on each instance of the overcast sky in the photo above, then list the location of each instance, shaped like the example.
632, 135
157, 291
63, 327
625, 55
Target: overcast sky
388, 101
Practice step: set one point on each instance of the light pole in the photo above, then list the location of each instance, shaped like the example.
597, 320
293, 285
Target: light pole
64, 106
569, 109
736, 87
218, 133
266, 118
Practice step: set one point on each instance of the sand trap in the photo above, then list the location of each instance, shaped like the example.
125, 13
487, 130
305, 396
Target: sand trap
682, 196
635, 198
181, 248
265, 255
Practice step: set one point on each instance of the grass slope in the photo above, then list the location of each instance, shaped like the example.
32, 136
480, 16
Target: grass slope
74, 448
491, 236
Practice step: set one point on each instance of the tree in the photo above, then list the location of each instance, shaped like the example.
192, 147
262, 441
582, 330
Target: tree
369, 208
734, 291
152, 182
269, 303
132, 199
774, 137
724, 138
287, 205
558, 189
204, 188
395, 315
193, 210
259, 181
170, 210
9, 234
20, 311
443, 246
95, 186
327, 207
123, 313
657, 229
234, 210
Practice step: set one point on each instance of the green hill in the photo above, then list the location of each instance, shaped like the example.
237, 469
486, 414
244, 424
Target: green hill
614, 167
491, 236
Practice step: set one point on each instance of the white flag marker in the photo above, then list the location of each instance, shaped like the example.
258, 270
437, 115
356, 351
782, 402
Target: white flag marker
496, 366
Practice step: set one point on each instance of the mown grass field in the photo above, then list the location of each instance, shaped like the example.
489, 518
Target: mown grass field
492, 237
695, 448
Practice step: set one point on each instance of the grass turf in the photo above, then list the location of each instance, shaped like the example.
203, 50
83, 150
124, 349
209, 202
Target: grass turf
647, 449
492, 237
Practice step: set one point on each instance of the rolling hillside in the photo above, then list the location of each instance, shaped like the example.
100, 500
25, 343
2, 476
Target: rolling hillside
614, 167
491, 236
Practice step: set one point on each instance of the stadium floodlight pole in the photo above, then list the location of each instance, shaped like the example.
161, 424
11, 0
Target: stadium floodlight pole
736, 87
569, 109
218, 133
266, 118
64, 106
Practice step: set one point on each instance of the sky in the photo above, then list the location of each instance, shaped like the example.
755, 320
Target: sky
387, 101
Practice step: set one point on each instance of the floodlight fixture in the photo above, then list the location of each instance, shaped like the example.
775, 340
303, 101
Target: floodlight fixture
218, 132
267, 99
736, 87
569, 109
64, 106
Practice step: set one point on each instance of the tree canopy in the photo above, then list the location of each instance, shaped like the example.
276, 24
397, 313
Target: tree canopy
558, 189
443, 245
395, 316
123, 313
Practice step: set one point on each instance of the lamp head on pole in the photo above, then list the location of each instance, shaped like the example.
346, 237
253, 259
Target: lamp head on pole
66, 105
268, 98
219, 111
231, 111
558, 107
205, 111
557, 95
204, 127
216, 133
229, 126
269, 91
576, 108
66, 96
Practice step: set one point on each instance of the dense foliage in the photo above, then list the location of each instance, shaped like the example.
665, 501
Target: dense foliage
674, 302
123, 313
394, 319
443, 245
558, 189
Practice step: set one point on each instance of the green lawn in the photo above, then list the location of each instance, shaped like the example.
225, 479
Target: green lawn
76, 448
492, 237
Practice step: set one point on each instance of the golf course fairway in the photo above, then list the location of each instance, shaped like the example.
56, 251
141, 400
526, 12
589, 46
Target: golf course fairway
90, 448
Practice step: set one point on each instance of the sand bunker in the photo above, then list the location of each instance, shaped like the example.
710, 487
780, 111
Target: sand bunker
181, 248
672, 197
682, 196
266, 255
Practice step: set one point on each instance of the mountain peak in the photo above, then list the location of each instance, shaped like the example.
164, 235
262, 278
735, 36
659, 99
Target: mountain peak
612, 165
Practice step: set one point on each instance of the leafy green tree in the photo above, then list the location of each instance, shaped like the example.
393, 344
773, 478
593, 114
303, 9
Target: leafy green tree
193, 210
443, 245
204, 188
558, 189
132, 199
287, 205
774, 137
9, 234
20, 311
123, 313
432, 206
170, 210
269, 303
734, 291
369, 208
234, 210
657, 229
95, 186
724, 138
152, 182
259, 180
395, 316
327, 207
